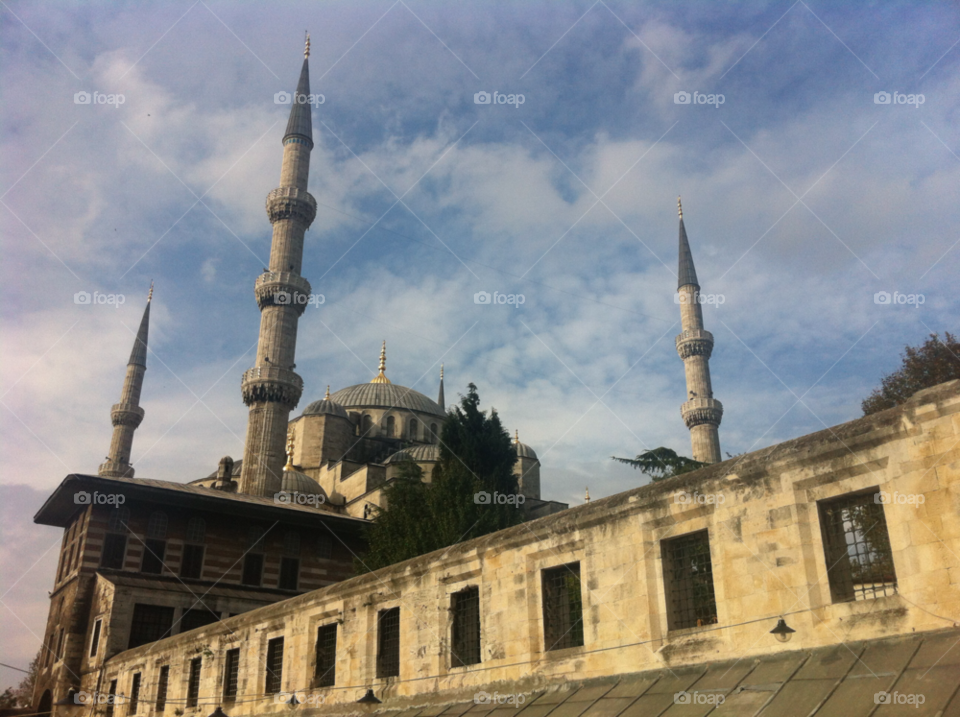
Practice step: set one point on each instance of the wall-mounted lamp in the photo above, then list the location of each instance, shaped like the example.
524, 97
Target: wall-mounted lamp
782, 631
70, 700
218, 712
369, 699
293, 701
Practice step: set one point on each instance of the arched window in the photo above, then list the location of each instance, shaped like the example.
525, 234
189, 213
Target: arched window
413, 429
366, 424
119, 521
434, 433
196, 530
391, 426
157, 526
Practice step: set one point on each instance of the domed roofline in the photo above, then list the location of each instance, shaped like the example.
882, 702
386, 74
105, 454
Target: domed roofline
386, 396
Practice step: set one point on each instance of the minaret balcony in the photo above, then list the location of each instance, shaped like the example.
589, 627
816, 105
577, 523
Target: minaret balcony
695, 342
270, 384
698, 411
282, 288
291, 203
126, 414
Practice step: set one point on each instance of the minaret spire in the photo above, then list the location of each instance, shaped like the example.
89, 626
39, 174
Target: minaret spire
271, 388
382, 377
440, 399
127, 414
701, 411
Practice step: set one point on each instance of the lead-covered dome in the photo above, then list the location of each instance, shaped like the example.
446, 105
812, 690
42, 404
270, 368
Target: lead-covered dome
428, 453
385, 395
325, 407
300, 483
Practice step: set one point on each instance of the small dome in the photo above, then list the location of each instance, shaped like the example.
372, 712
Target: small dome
296, 482
326, 407
428, 453
523, 450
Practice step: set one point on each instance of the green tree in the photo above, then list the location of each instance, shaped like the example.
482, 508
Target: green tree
932, 363
661, 463
22, 694
476, 457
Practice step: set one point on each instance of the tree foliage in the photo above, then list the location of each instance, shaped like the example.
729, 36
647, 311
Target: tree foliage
22, 694
476, 456
932, 363
661, 463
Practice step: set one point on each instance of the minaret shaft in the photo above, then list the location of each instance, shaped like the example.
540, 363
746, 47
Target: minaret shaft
271, 388
701, 412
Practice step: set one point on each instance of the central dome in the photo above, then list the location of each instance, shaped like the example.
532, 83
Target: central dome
386, 395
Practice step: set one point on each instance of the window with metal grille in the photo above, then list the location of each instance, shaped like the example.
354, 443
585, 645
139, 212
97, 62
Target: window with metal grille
562, 607
191, 565
150, 623
157, 525
688, 581
274, 663
413, 429
111, 698
388, 643
857, 548
153, 554
119, 520
193, 682
289, 573
252, 569
196, 530
231, 674
95, 640
134, 694
114, 551
192, 619
324, 547
325, 674
162, 682
465, 637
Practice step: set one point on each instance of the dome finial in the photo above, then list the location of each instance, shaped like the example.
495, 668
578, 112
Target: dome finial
306, 49
679, 207
441, 372
150, 293
587, 498
327, 397
516, 435
382, 377
289, 466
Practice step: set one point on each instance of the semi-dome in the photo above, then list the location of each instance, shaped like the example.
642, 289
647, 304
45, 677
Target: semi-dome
385, 395
296, 482
427, 453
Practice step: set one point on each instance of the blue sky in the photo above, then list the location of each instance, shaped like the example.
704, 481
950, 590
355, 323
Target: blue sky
803, 197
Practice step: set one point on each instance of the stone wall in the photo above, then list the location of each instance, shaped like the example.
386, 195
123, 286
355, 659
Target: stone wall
761, 515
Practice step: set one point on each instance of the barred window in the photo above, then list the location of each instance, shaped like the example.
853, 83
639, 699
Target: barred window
274, 663
150, 623
192, 619
231, 674
114, 551
196, 530
688, 581
252, 569
191, 564
134, 694
119, 521
413, 429
857, 548
157, 525
111, 698
388, 643
465, 640
562, 607
162, 682
153, 554
193, 682
325, 674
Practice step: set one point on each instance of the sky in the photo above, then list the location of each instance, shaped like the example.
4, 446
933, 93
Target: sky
818, 160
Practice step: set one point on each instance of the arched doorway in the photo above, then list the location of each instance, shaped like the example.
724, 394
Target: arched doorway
45, 704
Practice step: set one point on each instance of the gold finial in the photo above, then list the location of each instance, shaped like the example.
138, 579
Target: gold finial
587, 499
516, 436
441, 372
289, 466
679, 208
150, 294
306, 49
382, 377
327, 397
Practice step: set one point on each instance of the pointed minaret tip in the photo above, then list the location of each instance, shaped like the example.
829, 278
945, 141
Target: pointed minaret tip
306, 49
150, 293
327, 397
679, 207
587, 496
686, 273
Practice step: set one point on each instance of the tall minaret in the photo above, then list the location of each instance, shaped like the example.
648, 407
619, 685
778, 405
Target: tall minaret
127, 414
271, 388
440, 399
701, 412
